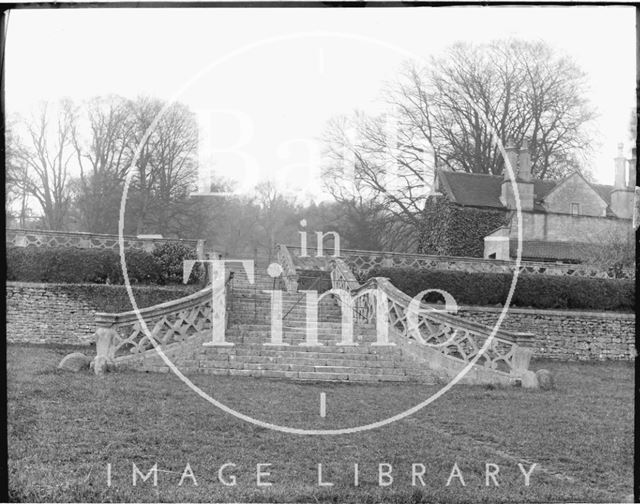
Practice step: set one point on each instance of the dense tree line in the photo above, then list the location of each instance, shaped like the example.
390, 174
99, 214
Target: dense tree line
67, 163
72, 160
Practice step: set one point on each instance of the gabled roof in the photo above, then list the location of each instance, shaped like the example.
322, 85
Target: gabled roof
479, 190
560, 183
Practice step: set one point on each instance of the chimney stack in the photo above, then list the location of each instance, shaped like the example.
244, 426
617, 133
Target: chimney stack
524, 168
512, 157
632, 170
622, 196
521, 165
620, 162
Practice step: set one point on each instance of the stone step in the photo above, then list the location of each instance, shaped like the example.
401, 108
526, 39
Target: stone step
329, 358
258, 288
315, 365
297, 313
294, 324
241, 300
265, 297
264, 336
311, 376
293, 340
293, 321
326, 340
301, 325
300, 367
260, 349
301, 330
313, 362
250, 304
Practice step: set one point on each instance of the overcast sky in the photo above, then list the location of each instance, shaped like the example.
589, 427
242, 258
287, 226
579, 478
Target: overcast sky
273, 77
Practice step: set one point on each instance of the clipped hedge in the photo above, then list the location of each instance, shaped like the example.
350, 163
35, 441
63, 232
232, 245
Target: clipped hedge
170, 258
78, 265
532, 291
115, 299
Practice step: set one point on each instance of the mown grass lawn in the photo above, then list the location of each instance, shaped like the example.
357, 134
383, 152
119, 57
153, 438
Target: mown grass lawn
64, 429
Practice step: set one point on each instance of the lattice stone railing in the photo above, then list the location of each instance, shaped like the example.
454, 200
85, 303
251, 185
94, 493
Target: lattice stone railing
289, 273
42, 238
458, 340
171, 322
362, 262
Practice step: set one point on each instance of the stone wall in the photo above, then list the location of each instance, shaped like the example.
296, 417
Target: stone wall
42, 238
567, 335
557, 227
65, 313
363, 261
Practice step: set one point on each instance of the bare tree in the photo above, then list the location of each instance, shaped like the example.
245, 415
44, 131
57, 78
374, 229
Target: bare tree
379, 184
16, 205
166, 169
444, 115
104, 159
41, 158
175, 142
522, 89
142, 112
277, 217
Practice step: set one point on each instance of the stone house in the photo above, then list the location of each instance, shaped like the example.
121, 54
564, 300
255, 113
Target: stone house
561, 219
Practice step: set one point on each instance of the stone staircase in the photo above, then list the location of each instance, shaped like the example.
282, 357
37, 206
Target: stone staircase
249, 329
434, 352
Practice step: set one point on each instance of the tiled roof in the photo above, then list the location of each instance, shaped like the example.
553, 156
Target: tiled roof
547, 250
474, 189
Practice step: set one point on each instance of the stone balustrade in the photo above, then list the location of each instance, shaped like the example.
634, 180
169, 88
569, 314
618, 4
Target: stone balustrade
122, 337
289, 273
443, 340
43, 238
363, 261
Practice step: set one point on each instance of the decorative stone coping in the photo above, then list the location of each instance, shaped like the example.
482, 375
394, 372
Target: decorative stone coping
47, 238
364, 261
550, 312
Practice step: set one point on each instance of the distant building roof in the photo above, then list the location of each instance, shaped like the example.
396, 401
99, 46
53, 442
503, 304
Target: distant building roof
551, 251
479, 190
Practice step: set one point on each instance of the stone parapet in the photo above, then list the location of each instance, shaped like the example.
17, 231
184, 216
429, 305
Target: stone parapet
363, 261
44, 238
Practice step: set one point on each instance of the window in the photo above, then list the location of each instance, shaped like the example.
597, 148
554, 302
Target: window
575, 208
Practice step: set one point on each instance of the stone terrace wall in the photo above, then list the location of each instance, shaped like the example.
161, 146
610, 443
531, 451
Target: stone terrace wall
567, 335
65, 313
363, 261
42, 238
